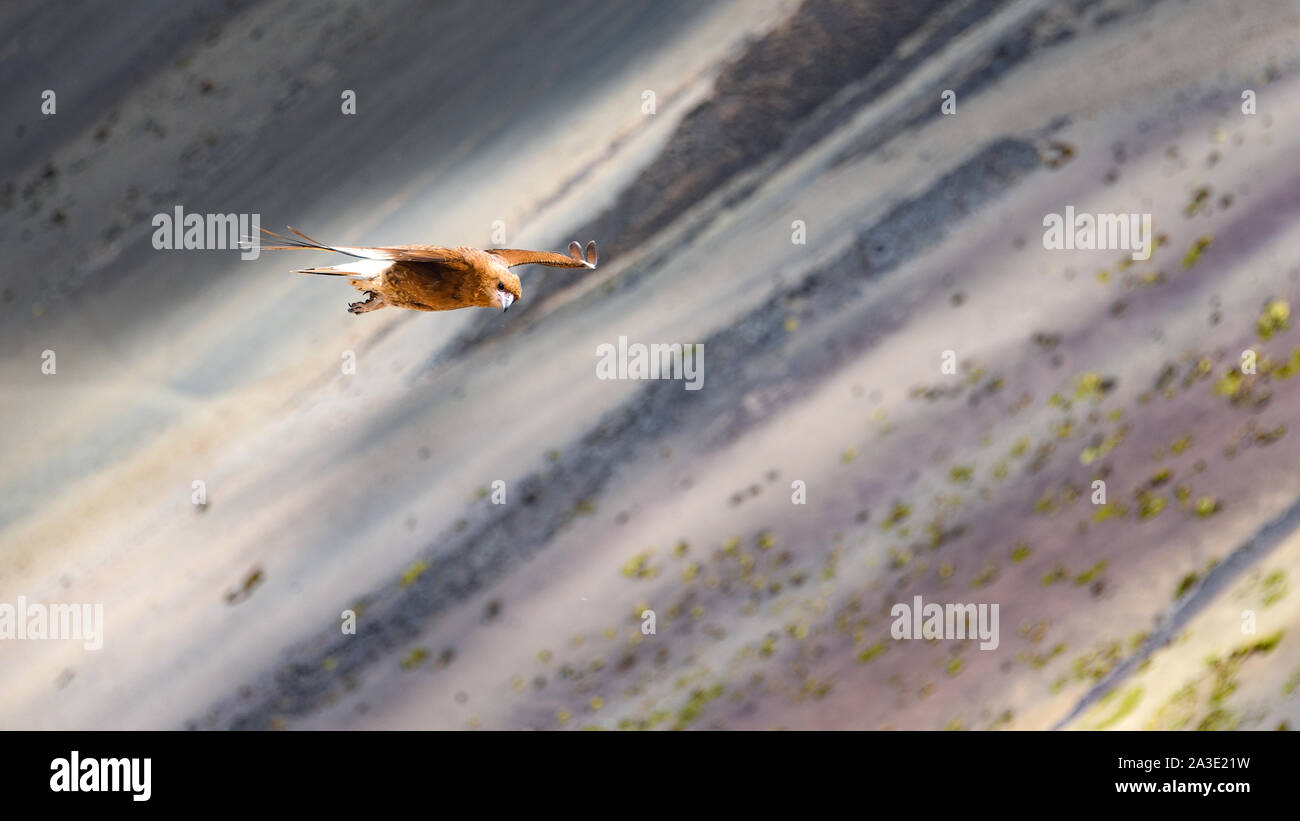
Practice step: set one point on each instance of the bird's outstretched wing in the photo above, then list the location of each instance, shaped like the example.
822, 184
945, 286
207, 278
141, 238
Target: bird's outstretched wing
399, 253
419, 253
575, 259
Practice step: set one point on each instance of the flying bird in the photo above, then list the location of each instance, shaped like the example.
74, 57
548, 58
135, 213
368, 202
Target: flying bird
431, 277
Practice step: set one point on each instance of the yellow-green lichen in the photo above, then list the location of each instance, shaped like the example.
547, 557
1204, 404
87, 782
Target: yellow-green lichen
1275, 318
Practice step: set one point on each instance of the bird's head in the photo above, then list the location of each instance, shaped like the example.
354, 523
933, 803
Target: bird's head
507, 289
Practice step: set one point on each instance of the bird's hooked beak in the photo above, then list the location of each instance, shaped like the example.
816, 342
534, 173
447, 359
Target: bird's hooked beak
507, 299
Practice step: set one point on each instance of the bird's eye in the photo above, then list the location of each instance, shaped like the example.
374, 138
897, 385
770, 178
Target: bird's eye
501, 286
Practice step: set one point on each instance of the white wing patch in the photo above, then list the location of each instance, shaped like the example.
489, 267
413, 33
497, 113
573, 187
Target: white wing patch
365, 267
366, 253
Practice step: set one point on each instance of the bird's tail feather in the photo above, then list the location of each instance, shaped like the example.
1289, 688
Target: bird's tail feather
331, 272
361, 269
305, 244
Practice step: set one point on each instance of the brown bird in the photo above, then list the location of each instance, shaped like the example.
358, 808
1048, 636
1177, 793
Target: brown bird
431, 277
